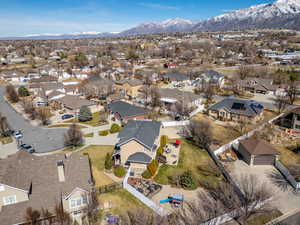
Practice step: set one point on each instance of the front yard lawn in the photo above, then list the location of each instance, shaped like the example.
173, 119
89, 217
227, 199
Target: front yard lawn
97, 155
64, 126
94, 122
6, 140
89, 135
191, 158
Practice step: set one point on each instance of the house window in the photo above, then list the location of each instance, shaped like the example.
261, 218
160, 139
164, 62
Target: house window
298, 117
8, 200
77, 202
297, 126
2, 187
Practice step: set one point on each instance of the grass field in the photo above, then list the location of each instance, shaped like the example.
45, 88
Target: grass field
64, 126
89, 135
191, 157
6, 140
94, 122
122, 201
97, 155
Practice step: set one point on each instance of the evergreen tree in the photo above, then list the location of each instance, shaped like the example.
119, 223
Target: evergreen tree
85, 114
23, 91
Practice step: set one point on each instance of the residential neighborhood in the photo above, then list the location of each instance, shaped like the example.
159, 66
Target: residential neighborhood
156, 128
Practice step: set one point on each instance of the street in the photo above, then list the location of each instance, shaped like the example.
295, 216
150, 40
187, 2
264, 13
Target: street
42, 139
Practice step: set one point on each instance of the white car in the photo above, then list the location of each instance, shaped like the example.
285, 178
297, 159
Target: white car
18, 134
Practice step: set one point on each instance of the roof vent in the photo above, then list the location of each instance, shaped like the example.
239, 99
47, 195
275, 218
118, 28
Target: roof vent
61, 171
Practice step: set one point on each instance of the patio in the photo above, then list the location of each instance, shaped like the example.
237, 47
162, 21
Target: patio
171, 151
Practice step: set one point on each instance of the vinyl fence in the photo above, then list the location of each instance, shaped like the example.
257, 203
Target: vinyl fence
287, 174
175, 123
152, 205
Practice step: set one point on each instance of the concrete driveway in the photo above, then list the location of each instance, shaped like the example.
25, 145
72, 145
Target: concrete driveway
42, 139
285, 201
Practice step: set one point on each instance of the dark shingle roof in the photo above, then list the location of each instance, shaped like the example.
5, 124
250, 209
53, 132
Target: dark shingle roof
258, 147
244, 107
211, 74
144, 132
139, 157
125, 110
176, 76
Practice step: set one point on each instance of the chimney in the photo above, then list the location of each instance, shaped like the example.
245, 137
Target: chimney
61, 171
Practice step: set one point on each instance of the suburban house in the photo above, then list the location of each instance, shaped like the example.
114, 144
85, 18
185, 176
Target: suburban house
169, 97
233, 109
211, 77
74, 103
259, 85
257, 152
42, 182
290, 120
137, 145
176, 78
129, 87
124, 111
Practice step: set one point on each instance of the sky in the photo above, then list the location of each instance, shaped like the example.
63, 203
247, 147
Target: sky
26, 17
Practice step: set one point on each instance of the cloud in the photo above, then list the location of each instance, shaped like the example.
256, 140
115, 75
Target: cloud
158, 6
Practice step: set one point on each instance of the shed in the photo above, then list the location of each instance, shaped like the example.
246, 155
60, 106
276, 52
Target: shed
257, 152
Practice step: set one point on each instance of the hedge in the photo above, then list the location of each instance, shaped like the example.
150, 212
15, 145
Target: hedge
103, 132
146, 174
114, 128
152, 167
119, 171
163, 140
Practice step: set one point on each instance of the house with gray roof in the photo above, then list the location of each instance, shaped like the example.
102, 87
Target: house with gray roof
137, 145
42, 182
124, 111
212, 77
234, 109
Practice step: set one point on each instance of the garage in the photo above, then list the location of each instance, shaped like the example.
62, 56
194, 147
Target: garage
264, 160
257, 152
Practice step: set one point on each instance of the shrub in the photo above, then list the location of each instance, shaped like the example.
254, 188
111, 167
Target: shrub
103, 132
146, 174
163, 140
188, 181
119, 171
160, 151
85, 114
108, 162
11, 94
114, 128
152, 167
23, 91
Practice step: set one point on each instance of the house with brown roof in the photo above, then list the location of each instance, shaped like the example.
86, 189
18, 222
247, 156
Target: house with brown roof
257, 152
129, 87
42, 182
74, 103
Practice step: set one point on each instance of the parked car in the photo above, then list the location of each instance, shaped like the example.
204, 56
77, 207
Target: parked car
18, 134
27, 148
66, 116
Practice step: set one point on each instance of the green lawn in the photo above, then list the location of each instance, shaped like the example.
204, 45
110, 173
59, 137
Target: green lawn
89, 135
97, 155
94, 122
64, 126
191, 157
6, 140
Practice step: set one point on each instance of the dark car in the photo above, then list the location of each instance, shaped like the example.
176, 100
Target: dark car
66, 116
27, 148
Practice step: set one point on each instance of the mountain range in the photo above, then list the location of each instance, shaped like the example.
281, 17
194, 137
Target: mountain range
279, 14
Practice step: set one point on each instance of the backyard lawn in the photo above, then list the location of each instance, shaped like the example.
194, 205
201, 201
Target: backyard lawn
121, 201
6, 140
287, 156
191, 157
94, 122
97, 155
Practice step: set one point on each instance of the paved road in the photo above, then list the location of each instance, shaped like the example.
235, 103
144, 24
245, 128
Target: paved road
42, 139
292, 220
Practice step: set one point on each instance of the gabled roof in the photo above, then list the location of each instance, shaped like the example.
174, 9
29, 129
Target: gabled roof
176, 76
74, 102
244, 107
139, 157
132, 83
143, 131
24, 169
258, 147
211, 74
125, 110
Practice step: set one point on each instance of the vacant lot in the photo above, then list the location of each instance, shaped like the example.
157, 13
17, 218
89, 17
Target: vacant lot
191, 157
97, 155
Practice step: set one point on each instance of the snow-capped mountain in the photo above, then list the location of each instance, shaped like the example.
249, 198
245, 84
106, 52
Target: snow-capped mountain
89, 34
171, 25
280, 14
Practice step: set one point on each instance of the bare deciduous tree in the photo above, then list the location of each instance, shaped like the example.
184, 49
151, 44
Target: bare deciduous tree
12, 94
43, 113
280, 102
32, 216
4, 126
62, 217
244, 71
73, 136
200, 131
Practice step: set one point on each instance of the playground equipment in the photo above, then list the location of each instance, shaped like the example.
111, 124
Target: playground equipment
175, 200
